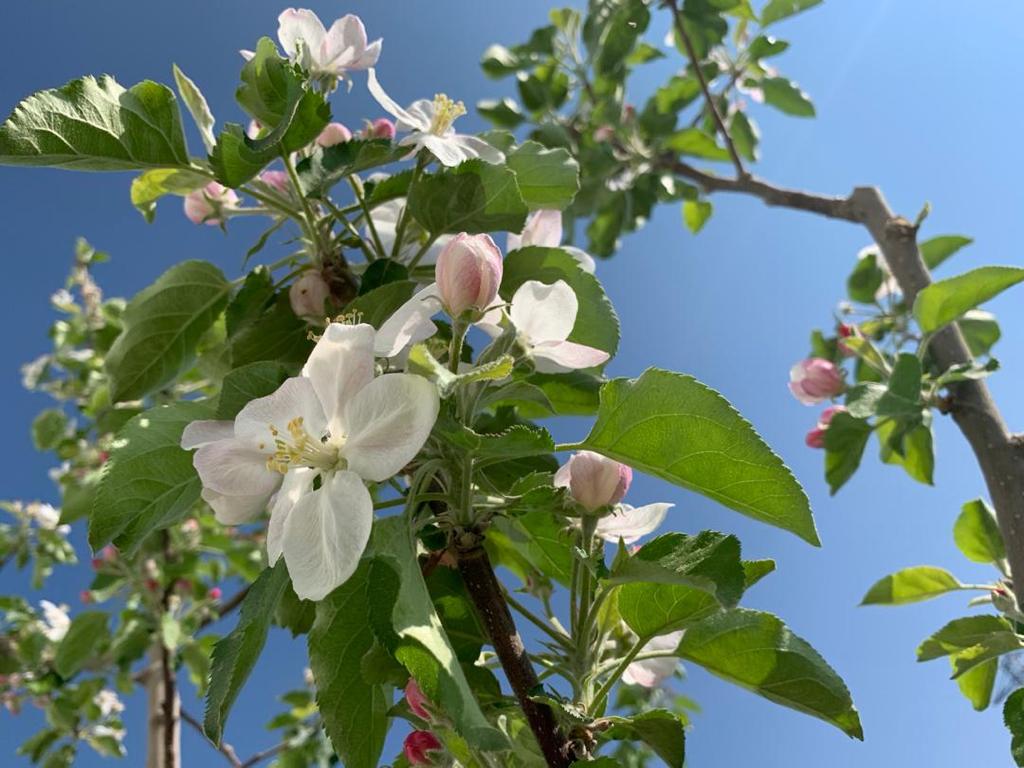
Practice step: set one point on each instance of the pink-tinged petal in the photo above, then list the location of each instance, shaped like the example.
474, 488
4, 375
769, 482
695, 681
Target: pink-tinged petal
235, 468
595, 481
562, 356
469, 271
390, 105
326, 533
563, 477
296, 484
409, 324
339, 366
543, 228
333, 134
235, 510
295, 398
544, 312
387, 423
308, 294
344, 41
199, 433
369, 56
630, 523
652, 672
302, 24
513, 242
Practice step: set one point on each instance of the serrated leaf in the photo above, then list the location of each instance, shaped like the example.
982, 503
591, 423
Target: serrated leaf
845, 441
162, 327
87, 632
325, 167
547, 178
961, 634
911, 585
786, 96
776, 10
248, 383
977, 535
473, 197
944, 301
672, 426
151, 185
655, 609
663, 731
1013, 718
94, 124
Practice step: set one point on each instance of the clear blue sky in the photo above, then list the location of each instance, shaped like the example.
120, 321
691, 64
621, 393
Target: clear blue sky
912, 95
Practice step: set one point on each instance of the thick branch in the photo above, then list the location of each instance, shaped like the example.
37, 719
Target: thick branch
485, 591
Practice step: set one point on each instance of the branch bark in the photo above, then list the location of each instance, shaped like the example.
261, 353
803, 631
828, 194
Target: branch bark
485, 591
1000, 453
163, 707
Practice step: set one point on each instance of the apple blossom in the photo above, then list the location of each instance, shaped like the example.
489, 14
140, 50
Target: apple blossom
816, 437
429, 125
815, 380
416, 699
55, 622
418, 747
108, 702
628, 523
335, 422
593, 480
324, 52
469, 271
544, 228
651, 672
308, 294
334, 133
210, 205
277, 181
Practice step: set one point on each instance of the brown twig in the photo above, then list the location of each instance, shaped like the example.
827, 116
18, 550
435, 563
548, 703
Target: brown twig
224, 748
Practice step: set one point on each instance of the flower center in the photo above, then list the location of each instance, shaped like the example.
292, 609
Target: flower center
300, 449
445, 113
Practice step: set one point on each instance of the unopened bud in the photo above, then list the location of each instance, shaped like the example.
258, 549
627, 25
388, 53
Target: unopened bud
85, 596
469, 271
215, 593
816, 437
308, 294
334, 133
417, 700
419, 746
815, 380
381, 128
277, 181
210, 205
594, 480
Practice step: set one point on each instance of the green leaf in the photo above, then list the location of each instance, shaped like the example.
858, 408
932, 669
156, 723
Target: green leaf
977, 684
943, 302
473, 197
248, 383
1013, 718
422, 645
698, 143
709, 561
277, 334
547, 178
981, 331
87, 632
377, 305
654, 609
196, 104
745, 134
845, 441
663, 731
911, 585
517, 441
756, 651
95, 124
295, 614
48, 428
776, 10
672, 426
763, 46
325, 167
354, 710
977, 533
961, 634
786, 96
235, 655
151, 185
938, 249
910, 447
863, 283
502, 114
246, 306
755, 570
381, 272
148, 482
162, 327
540, 539
903, 396
992, 647
696, 213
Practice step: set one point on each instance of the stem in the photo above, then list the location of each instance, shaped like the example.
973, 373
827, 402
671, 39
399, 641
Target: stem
422, 252
487, 595
542, 625
314, 232
403, 220
357, 190
224, 748
604, 690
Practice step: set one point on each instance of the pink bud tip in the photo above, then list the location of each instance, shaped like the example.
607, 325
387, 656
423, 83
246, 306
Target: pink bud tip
381, 128
334, 133
416, 700
277, 180
215, 593
594, 481
815, 380
85, 596
418, 747
468, 272
211, 204
97, 563
816, 437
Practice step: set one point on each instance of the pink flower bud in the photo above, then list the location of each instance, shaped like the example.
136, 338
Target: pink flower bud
815, 380
277, 181
418, 746
334, 133
417, 700
211, 204
845, 332
97, 563
254, 129
468, 273
152, 585
816, 437
381, 128
604, 134
85, 596
594, 480
308, 294
215, 593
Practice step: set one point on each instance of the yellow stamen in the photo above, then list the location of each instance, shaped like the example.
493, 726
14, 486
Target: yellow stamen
445, 113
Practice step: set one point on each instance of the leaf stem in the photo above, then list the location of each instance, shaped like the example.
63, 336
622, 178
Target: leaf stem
604, 690
357, 190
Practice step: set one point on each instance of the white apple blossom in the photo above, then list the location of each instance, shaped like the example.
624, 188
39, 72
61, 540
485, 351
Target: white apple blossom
544, 228
629, 523
651, 672
335, 422
55, 621
108, 703
324, 52
429, 125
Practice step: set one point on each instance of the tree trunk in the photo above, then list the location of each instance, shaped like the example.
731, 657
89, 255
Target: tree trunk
163, 711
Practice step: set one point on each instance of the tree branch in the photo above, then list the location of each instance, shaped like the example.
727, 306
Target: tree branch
224, 748
486, 593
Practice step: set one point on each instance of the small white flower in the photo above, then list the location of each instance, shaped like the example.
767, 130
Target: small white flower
429, 125
544, 228
44, 514
335, 422
326, 52
55, 621
651, 672
108, 703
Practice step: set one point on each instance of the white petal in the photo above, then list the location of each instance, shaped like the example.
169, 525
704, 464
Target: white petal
513, 242
630, 523
295, 398
235, 510
562, 356
325, 535
369, 56
543, 228
544, 312
410, 323
476, 147
446, 149
344, 42
340, 365
198, 433
302, 24
490, 323
584, 259
388, 422
390, 105
651, 672
235, 468
247, 55
563, 476
422, 113
297, 483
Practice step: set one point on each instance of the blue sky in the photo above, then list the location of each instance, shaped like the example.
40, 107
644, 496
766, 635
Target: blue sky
911, 96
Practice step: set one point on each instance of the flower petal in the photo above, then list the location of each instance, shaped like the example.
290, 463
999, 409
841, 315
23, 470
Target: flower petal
340, 365
584, 259
235, 468
410, 323
325, 535
387, 424
302, 24
296, 484
446, 149
543, 228
651, 672
544, 312
562, 356
295, 398
344, 42
199, 433
390, 105
630, 523
473, 146
235, 510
